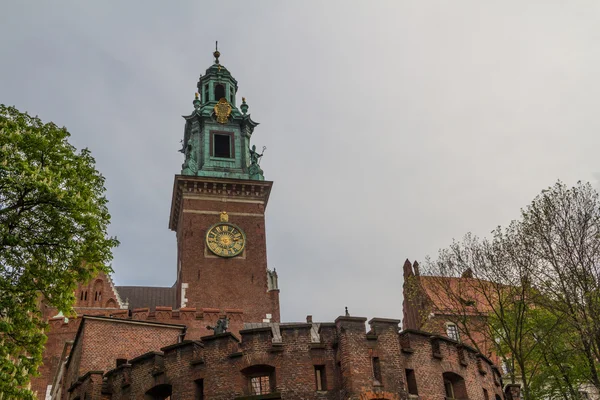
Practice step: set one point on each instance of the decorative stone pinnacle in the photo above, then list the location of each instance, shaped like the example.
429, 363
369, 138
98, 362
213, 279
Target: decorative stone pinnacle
196, 101
244, 106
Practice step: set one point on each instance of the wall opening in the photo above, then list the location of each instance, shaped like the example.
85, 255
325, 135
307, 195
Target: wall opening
199, 384
260, 379
411, 382
159, 392
219, 92
320, 383
454, 386
452, 331
376, 369
222, 145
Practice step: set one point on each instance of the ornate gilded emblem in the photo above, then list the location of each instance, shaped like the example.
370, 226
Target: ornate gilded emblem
222, 110
225, 239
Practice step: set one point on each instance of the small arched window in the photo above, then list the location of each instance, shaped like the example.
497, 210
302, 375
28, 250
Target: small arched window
452, 331
454, 386
159, 392
219, 91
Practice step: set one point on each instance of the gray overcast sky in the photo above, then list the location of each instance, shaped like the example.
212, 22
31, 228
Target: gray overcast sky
391, 127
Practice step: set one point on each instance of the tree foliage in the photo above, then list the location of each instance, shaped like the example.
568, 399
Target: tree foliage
536, 284
53, 234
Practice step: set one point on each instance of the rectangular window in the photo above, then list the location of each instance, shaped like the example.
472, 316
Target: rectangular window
452, 331
222, 145
320, 377
376, 369
259, 385
411, 382
199, 389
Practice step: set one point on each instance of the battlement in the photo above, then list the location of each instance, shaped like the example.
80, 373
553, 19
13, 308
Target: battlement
297, 359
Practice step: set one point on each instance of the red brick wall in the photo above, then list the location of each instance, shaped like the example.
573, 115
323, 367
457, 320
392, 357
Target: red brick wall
419, 356
237, 283
346, 350
97, 293
102, 341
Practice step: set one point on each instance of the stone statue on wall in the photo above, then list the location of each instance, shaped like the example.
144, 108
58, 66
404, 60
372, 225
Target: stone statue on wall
221, 326
254, 170
190, 166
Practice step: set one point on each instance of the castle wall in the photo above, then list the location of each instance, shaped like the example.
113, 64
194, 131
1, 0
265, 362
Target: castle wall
222, 366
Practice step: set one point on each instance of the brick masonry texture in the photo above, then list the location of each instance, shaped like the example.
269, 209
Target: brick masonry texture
224, 363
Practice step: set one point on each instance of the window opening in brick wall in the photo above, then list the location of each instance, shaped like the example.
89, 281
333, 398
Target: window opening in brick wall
486, 396
81, 297
320, 377
159, 392
222, 145
454, 386
498, 397
376, 369
260, 384
452, 331
261, 379
85, 295
411, 382
199, 383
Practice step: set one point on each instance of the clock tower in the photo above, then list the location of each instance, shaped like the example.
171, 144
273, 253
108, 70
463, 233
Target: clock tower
218, 208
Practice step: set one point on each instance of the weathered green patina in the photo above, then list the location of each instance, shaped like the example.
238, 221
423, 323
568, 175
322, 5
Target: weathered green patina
216, 139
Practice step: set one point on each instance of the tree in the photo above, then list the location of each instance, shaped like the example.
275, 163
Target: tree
53, 235
531, 291
562, 229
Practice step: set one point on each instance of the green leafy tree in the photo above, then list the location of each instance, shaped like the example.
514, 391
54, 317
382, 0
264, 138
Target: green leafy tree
536, 286
53, 235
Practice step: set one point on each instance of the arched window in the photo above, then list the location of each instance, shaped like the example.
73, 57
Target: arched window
260, 379
98, 291
159, 392
219, 91
452, 331
454, 386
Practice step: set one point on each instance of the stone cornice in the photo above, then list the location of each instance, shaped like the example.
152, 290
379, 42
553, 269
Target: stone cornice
216, 188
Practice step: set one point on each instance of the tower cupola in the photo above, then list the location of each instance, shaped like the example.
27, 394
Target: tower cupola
217, 134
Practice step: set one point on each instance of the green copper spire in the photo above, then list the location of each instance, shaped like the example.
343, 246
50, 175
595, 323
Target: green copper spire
217, 134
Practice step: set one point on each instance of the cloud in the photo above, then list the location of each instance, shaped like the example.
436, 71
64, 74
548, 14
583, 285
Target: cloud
391, 127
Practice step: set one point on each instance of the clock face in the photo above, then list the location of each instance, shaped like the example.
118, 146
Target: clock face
225, 239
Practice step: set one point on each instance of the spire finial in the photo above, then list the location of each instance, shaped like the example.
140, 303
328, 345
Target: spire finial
216, 53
